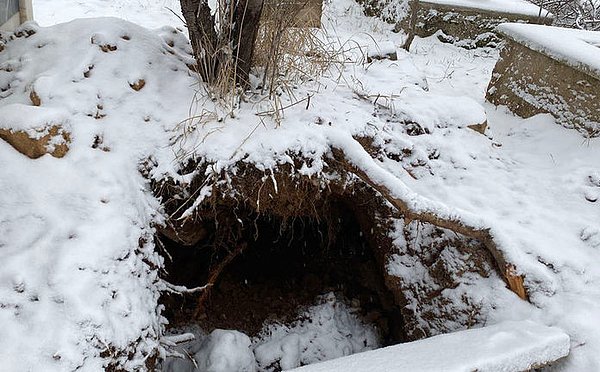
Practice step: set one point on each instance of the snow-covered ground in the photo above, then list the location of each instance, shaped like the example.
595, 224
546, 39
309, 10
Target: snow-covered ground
75, 233
320, 333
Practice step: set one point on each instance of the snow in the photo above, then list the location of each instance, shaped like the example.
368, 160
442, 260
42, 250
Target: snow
509, 346
577, 48
220, 351
32, 119
328, 330
76, 244
520, 7
224, 351
325, 331
76, 233
148, 13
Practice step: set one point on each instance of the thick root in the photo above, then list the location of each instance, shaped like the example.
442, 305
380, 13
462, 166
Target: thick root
413, 207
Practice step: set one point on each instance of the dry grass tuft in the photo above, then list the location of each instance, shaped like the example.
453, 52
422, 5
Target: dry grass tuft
291, 50
287, 51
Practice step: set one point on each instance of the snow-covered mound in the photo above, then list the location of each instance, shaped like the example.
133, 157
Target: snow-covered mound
78, 278
147, 13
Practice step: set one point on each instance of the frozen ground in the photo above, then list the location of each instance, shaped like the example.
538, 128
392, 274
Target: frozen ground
74, 231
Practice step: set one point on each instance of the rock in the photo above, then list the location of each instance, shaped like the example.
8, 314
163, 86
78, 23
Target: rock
53, 140
138, 85
35, 99
480, 128
392, 56
384, 50
108, 48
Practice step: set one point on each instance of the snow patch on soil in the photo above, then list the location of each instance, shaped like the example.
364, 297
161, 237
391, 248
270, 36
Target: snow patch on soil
325, 331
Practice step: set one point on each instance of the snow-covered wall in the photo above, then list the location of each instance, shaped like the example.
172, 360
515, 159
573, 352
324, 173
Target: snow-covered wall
509, 346
472, 21
531, 77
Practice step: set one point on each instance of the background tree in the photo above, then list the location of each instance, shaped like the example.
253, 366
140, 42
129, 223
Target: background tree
582, 14
223, 38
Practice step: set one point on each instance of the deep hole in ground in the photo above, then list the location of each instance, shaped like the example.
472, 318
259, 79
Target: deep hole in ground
284, 268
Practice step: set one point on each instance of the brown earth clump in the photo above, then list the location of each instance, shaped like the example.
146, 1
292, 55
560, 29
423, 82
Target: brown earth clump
35, 99
138, 85
37, 147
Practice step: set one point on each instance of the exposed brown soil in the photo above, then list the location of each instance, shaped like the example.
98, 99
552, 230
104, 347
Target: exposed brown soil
138, 84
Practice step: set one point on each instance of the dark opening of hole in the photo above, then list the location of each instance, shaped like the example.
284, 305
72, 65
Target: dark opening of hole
283, 269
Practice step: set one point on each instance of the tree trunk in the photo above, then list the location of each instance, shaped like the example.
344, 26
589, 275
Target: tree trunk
210, 46
203, 36
248, 15
413, 7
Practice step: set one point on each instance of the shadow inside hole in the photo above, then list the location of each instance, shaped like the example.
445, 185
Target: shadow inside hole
283, 270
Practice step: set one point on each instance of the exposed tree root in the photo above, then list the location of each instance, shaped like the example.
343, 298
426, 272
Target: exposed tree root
352, 156
214, 276
287, 195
